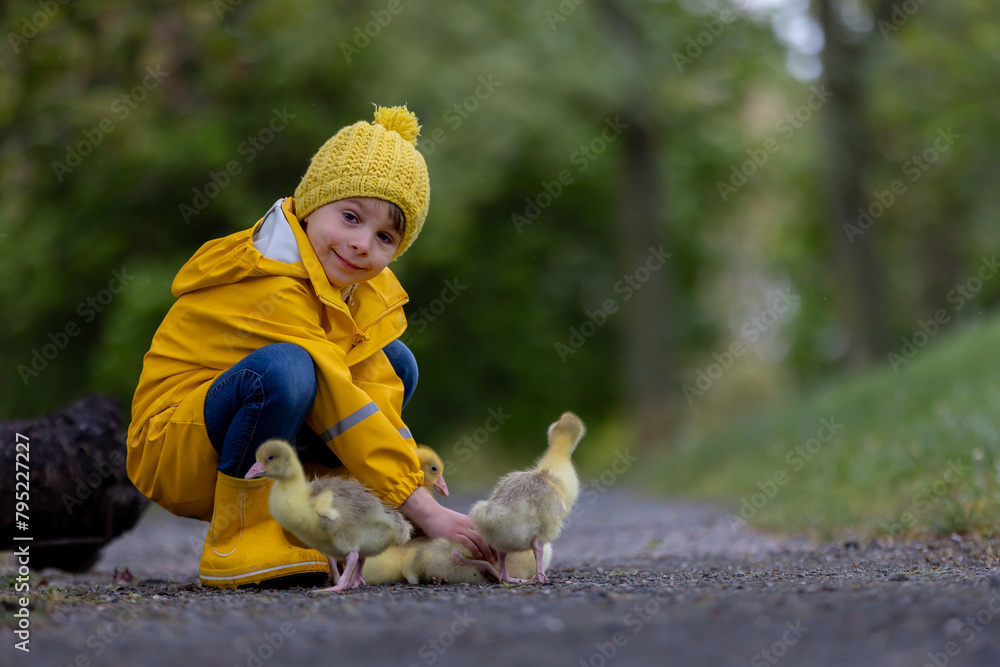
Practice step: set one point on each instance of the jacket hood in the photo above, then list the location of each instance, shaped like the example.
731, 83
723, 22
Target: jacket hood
278, 246
275, 246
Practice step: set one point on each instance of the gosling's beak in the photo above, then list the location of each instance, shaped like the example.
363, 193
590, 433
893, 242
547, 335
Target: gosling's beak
256, 470
441, 486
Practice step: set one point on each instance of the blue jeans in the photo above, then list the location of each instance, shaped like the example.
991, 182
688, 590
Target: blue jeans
268, 395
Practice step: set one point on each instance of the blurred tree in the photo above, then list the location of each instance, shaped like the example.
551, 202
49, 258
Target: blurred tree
647, 349
846, 64
887, 56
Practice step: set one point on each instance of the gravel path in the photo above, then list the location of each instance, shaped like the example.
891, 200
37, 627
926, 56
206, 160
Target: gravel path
637, 581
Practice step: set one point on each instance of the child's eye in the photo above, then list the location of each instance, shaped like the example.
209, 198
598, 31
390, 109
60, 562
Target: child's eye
350, 217
385, 238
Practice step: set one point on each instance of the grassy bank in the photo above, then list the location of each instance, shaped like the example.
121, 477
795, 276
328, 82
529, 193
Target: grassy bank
895, 452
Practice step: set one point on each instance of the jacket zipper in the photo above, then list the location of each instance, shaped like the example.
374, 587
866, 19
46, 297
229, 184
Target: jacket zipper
387, 310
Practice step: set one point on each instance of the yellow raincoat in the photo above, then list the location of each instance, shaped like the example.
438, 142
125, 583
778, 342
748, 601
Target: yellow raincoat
232, 299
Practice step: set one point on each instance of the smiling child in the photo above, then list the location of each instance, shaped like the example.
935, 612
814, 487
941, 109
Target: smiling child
290, 329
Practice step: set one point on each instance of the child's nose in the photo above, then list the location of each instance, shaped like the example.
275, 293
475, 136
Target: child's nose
361, 243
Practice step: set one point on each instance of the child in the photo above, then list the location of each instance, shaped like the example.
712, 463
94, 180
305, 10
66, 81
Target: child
290, 330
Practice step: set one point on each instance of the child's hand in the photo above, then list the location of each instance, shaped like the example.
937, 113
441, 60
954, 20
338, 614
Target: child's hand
439, 521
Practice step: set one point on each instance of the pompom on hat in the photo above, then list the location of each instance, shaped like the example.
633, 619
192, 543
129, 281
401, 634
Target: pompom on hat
378, 159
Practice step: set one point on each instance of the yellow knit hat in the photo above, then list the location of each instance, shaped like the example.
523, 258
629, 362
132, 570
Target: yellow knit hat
377, 159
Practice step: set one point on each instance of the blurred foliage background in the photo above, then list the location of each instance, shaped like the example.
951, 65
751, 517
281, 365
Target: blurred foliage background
659, 214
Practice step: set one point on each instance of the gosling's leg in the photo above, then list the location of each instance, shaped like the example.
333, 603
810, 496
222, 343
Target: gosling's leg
350, 568
486, 568
504, 575
356, 580
538, 548
350, 563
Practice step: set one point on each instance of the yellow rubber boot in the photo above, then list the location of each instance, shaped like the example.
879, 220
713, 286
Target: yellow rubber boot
246, 546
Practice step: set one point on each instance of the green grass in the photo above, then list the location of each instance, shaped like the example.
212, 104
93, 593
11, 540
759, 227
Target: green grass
917, 451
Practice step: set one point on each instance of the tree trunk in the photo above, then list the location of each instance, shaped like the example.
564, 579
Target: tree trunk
650, 381
857, 271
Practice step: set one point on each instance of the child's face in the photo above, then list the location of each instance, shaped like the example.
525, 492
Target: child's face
354, 238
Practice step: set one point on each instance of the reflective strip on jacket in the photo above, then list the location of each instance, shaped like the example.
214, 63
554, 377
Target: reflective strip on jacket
233, 299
